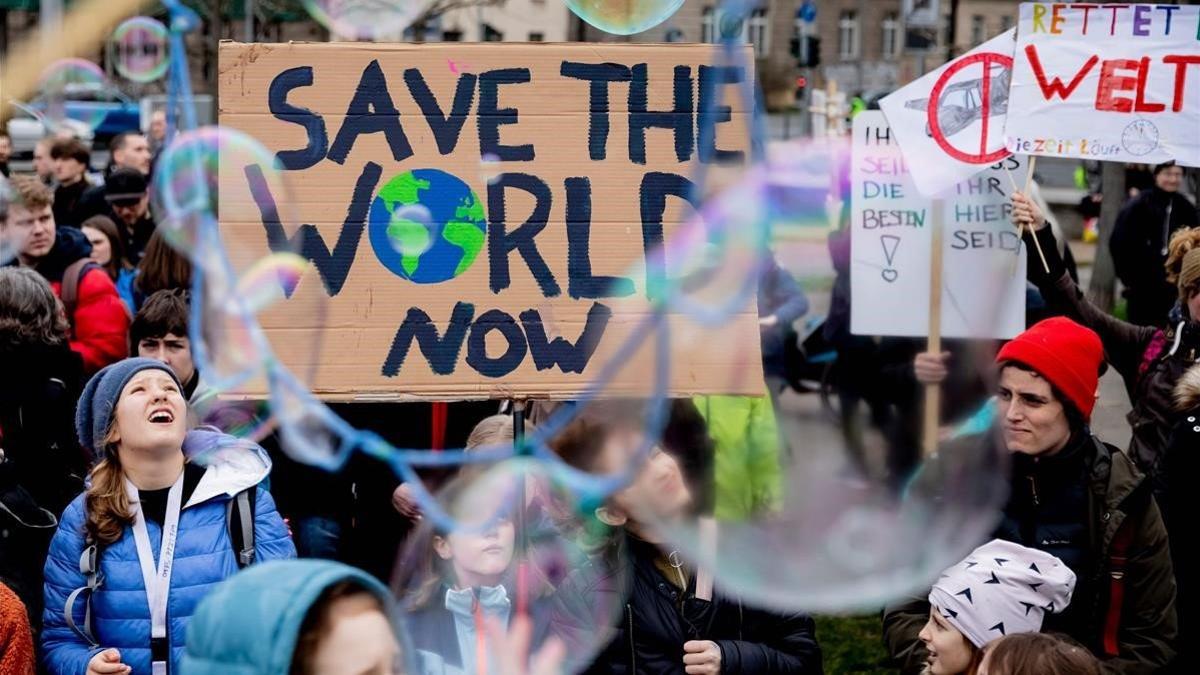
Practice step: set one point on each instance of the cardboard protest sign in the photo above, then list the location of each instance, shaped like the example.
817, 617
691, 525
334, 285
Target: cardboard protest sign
480, 217
1107, 82
950, 123
891, 241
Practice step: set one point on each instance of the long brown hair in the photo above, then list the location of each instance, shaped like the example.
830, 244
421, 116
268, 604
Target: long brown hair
105, 225
106, 502
162, 267
1036, 653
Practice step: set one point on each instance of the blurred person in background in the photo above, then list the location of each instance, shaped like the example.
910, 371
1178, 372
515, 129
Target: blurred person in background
294, 617
666, 625
71, 159
5, 153
16, 638
158, 130
108, 250
1140, 241
1074, 497
128, 197
127, 150
97, 317
43, 163
161, 268
41, 465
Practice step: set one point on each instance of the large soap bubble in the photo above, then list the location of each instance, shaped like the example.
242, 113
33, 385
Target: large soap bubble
138, 49
624, 17
365, 19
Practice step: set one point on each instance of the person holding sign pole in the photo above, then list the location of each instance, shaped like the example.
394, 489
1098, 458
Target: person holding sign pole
1074, 497
167, 515
1139, 245
672, 619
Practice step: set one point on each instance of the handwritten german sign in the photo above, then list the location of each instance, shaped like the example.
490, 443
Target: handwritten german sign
891, 243
1107, 82
485, 221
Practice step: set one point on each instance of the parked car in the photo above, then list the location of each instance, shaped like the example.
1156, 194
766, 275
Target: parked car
105, 109
28, 126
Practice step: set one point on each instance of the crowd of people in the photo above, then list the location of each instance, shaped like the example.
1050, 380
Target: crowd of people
138, 535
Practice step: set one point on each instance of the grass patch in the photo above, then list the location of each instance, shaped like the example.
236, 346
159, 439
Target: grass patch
853, 644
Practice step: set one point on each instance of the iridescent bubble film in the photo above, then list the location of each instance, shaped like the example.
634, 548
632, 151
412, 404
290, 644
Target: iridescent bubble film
138, 49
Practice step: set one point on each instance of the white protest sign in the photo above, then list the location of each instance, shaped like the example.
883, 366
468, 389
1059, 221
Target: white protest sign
891, 239
1107, 82
952, 119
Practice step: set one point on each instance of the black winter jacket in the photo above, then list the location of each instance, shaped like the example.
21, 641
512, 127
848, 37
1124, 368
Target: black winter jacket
654, 622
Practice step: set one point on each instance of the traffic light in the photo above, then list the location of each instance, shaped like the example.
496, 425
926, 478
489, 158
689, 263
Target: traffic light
801, 84
806, 49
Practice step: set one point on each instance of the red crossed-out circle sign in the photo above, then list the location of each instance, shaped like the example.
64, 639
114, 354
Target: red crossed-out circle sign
985, 59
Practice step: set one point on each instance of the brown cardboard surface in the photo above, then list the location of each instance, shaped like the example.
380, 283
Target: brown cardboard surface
339, 343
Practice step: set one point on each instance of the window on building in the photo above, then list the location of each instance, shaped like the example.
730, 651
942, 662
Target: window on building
708, 25
891, 35
759, 32
977, 30
848, 41
1006, 22
491, 34
452, 36
537, 37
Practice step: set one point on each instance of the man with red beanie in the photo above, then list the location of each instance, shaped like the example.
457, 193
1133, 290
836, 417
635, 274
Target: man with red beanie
1078, 499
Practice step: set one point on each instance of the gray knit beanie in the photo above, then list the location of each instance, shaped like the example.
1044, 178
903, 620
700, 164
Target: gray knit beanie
94, 413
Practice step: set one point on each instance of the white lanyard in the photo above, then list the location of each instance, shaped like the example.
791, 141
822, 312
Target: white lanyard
157, 581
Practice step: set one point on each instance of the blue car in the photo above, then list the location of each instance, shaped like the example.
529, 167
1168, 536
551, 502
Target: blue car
107, 110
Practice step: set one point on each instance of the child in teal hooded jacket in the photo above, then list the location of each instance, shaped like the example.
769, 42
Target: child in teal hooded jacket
293, 616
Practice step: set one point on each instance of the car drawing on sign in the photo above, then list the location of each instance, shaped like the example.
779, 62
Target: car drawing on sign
962, 103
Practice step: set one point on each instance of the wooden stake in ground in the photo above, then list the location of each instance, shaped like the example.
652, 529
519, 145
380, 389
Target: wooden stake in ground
933, 392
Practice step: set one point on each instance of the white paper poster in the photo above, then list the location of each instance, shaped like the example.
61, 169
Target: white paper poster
950, 123
983, 291
1107, 82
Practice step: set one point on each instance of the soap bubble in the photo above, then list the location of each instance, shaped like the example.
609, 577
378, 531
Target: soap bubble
138, 49
65, 86
622, 17
514, 546
364, 19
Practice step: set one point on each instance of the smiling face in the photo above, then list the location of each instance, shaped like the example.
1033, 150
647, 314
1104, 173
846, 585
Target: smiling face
658, 492
151, 415
949, 652
1034, 422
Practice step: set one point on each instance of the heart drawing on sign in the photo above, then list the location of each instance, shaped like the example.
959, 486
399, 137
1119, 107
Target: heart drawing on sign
889, 275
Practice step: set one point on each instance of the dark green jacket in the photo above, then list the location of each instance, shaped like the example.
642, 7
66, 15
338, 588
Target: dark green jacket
1148, 626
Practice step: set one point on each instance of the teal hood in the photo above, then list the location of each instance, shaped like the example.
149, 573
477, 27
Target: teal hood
250, 623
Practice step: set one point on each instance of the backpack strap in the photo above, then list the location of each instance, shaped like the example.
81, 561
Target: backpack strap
240, 510
1117, 560
70, 286
89, 567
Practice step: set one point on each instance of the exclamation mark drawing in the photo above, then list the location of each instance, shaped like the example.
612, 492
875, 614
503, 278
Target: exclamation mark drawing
890, 243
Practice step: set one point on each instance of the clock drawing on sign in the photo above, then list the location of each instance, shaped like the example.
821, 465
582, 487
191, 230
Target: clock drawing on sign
1140, 137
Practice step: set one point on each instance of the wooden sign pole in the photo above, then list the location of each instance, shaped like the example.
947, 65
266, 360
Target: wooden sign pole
933, 392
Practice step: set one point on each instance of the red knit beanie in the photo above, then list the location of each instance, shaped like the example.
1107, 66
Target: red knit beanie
1067, 354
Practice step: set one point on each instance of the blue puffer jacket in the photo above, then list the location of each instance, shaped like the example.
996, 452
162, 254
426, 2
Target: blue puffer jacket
250, 624
204, 556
